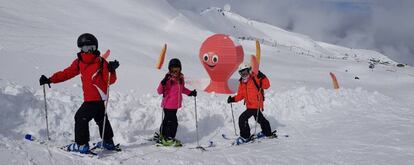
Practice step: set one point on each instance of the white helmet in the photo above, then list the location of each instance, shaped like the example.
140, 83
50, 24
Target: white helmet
243, 66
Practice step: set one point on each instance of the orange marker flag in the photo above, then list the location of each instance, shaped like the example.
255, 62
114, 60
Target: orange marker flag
258, 52
334, 80
254, 63
162, 57
106, 54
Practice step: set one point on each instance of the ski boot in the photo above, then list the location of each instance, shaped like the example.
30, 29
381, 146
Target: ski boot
107, 144
83, 149
261, 135
241, 140
273, 135
170, 142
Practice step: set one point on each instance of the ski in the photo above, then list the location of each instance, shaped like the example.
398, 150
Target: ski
160, 145
210, 145
274, 133
254, 138
154, 138
89, 154
98, 147
226, 137
96, 150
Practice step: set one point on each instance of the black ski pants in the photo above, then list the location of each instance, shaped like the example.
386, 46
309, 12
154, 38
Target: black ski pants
88, 111
244, 123
169, 124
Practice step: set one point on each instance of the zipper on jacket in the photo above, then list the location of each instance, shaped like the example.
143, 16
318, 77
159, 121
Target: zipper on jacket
246, 99
179, 94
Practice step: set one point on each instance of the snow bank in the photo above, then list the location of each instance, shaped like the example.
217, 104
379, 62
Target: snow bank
319, 121
135, 116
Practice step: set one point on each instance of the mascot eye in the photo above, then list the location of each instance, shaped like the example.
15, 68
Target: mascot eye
215, 59
205, 57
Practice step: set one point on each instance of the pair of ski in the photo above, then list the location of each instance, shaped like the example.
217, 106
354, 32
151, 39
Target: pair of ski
253, 138
156, 140
94, 151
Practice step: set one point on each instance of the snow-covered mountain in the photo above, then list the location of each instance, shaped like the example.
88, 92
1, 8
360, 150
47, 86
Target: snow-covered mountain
368, 121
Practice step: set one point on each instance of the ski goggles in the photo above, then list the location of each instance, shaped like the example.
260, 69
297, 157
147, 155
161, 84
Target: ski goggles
244, 72
175, 69
88, 48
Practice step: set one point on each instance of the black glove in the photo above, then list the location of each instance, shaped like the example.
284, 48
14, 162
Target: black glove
260, 75
44, 80
165, 79
193, 93
230, 99
112, 65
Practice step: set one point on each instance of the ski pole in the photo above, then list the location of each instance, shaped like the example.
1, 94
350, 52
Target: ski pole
106, 107
195, 108
47, 123
232, 115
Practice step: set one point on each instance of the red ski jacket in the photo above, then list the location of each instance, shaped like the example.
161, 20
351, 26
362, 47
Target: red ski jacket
250, 93
94, 74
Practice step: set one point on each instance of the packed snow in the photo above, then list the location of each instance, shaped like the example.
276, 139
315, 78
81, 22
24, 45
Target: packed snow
369, 120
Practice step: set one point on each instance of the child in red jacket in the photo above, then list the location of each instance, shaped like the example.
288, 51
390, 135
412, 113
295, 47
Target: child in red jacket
94, 72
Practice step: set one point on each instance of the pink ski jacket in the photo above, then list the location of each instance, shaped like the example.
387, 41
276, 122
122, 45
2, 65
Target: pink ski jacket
172, 93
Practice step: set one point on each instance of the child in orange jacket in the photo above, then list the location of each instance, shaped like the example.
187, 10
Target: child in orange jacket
251, 91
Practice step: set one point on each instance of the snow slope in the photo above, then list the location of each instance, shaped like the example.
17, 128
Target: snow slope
368, 121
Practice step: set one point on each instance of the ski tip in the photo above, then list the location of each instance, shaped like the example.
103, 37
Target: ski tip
92, 153
211, 144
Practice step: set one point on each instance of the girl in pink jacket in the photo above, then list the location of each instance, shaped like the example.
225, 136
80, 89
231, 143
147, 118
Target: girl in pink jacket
172, 87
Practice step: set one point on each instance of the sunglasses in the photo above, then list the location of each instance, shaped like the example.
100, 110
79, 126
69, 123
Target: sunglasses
88, 48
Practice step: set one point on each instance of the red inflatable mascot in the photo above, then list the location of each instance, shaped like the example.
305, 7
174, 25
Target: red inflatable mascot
220, 57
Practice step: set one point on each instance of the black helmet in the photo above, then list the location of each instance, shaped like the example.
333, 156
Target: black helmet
87, 39
174, 63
